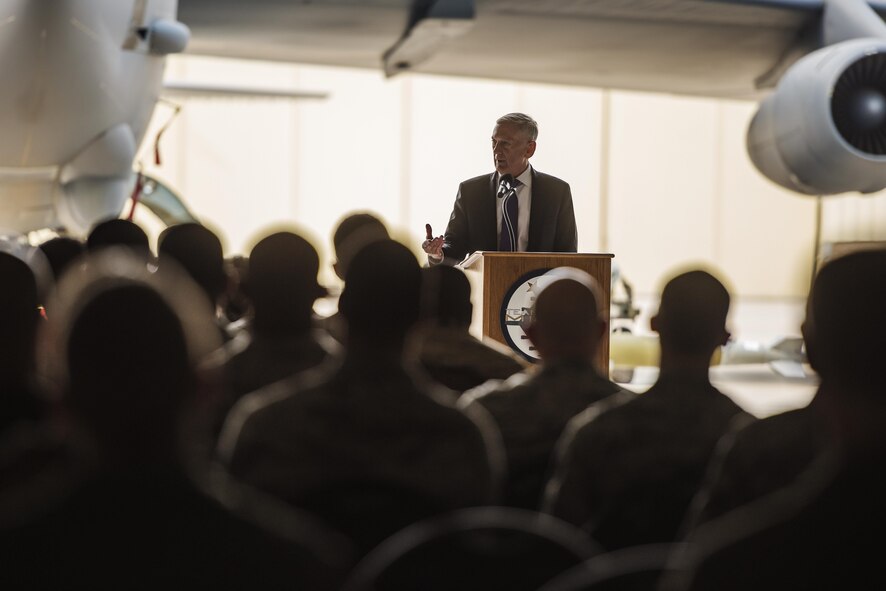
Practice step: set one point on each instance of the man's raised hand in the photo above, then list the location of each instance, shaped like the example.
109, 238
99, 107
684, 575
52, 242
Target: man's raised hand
432, 246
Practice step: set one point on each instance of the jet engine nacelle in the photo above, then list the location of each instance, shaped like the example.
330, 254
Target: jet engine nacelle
823, 131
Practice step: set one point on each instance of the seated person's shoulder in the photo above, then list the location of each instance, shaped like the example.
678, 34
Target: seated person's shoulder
503, 357
494, 392
258, 412
724, 408
602, 417
448, 402
459, 360
223, 356
294, 390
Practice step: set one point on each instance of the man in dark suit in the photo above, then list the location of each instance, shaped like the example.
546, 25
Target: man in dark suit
544, 216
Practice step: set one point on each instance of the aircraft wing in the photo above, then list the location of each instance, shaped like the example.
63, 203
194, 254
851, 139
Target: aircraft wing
695, 47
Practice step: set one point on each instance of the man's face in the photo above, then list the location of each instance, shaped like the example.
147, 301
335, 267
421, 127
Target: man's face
511, 149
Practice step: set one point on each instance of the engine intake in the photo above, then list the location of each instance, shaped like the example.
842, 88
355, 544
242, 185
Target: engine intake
823, 131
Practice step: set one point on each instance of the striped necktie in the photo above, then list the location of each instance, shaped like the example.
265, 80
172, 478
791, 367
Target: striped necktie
507, 238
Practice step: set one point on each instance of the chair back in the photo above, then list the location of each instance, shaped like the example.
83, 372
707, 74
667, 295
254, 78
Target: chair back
638, 568
483, 549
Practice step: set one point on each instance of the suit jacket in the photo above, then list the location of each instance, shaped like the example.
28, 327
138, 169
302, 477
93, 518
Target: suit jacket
472, 225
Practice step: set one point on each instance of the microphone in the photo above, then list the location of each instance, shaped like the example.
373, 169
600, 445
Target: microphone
506, 184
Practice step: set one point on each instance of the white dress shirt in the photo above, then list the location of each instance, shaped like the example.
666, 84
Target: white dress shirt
524, 202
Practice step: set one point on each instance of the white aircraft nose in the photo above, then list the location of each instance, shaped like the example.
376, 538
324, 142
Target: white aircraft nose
78, 83
61, 61
43, 48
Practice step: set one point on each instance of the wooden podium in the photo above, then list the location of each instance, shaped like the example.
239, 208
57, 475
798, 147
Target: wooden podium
510, 274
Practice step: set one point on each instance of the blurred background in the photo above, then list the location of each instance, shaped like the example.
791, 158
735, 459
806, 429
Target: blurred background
660, 181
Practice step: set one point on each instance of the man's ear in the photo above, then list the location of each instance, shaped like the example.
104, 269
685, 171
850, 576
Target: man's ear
653, 323
530, 148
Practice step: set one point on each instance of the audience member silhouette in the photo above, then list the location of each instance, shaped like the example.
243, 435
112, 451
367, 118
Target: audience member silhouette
353, 232
197, 250
823, 532
628, 472
61, 252
756, 458
235, 305
18, 304
449, 353
120, 233
282, 286
124, 343
367, 445
532, 408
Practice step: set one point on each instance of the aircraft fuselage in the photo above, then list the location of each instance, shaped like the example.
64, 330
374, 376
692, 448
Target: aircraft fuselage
72, 71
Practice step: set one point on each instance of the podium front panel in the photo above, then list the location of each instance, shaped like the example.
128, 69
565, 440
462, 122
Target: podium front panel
505, 273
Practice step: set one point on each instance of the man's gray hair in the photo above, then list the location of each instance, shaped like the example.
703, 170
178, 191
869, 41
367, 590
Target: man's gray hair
526, 124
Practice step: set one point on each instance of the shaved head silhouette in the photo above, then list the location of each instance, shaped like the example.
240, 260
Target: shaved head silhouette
282, 281
446, 296
382, 291
354, 232
199, 252
692, 315
566, 321
128, 364
845, 328
18, 303
122, 346
61, 253
118, 232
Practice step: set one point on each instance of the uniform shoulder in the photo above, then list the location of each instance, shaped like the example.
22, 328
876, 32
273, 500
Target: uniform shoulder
496, 390
603, 414
257, 411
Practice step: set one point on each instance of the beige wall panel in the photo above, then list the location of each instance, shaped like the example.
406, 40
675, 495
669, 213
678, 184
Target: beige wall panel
233, 163
766, 234
348, 148
662, 210
451, 126
569, 147
849, 218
